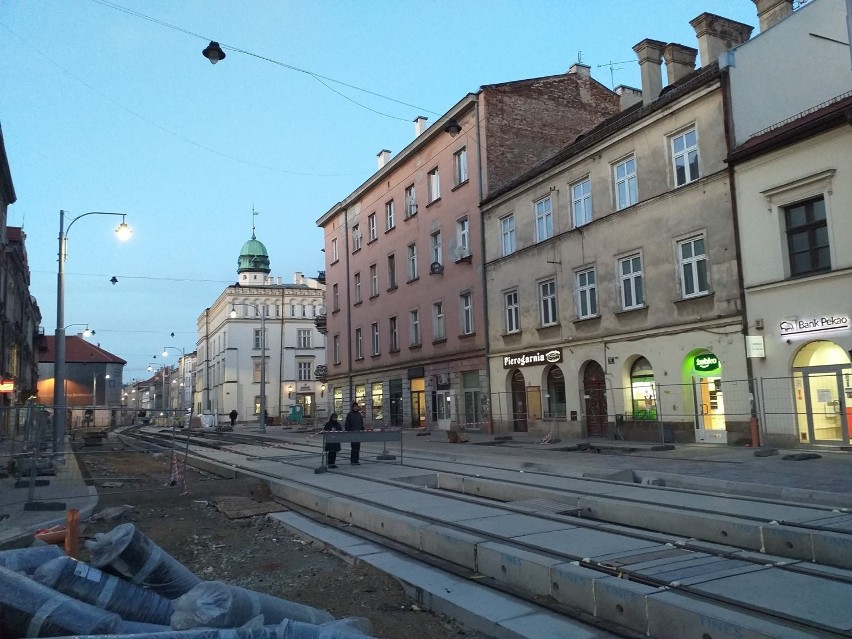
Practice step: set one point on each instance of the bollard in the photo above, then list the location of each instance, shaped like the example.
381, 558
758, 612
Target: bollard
755, 432
72, 534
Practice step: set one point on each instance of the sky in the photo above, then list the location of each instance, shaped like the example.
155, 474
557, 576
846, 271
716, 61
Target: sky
109, 105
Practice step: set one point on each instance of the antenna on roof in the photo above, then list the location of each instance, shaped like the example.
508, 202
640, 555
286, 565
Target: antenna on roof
613, 68
254, 214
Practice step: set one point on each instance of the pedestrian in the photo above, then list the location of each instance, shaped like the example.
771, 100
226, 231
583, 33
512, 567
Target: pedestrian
332, 448
354, 422
233, 415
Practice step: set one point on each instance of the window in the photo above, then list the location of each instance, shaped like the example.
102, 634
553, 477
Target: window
466, 307
335, 255
438, 331
356, 238
391, 271
390, 216
414, 327
378, 402
393, 334
303, 337
460, 166
507, 229
357, 288
693, 267
547, 302
625, 184
587, 294
258, 338
510, 302
256, 372
630, 275
807, 237
412, 262
304, 371
304, 309
375, 338
335, 297
685, 157
371, 227
410, 202
463, 237
336, 344
359, 344
436, 247
434, 184
543, 219
581, 202
374, 280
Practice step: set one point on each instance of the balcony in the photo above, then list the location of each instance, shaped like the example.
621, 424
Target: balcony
321, 322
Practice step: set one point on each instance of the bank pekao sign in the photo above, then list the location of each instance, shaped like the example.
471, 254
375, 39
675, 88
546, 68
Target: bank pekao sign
530, 358
816, 325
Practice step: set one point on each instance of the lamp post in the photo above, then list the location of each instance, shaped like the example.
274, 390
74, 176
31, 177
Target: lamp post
262, 416
182, 359
59, 398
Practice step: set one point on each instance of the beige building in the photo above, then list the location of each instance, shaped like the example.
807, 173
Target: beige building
793, 178
405, 301
614, 296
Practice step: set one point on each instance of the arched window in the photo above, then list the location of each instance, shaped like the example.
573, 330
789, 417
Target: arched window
555, 399
643, 389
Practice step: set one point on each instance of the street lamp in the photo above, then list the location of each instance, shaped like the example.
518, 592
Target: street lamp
262, 416
59, 398
86, 331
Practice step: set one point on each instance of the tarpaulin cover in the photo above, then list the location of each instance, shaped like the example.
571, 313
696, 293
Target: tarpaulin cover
26, 560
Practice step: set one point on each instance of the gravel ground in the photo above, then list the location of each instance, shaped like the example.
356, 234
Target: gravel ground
252, 552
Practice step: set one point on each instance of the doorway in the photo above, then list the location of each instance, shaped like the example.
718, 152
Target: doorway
519, 402
418, 403
822, 384
594, 393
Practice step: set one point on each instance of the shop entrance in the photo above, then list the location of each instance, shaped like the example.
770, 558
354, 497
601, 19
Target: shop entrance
822, 383
519, 402
418, 403
708, 400
594, 391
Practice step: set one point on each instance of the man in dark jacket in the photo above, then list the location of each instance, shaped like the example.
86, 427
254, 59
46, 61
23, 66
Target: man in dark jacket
332, 448
354, 421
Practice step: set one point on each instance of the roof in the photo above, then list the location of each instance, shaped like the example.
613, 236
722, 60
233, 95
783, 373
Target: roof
7, 189
619, 121
253, 257
822, 117
77, 350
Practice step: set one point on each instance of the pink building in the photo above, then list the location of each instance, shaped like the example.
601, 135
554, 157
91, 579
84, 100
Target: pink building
406, 322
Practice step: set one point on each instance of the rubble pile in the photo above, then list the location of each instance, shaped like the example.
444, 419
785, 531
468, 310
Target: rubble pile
133, 588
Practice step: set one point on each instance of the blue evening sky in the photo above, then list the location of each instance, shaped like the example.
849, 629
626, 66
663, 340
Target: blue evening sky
108, 105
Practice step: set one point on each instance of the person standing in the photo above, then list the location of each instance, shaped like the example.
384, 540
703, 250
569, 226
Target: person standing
354, 422
233, 416
332, 448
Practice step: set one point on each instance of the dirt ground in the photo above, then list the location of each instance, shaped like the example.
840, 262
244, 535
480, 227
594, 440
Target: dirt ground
252, 552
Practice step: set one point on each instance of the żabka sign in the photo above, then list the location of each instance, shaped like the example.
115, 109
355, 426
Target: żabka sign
816, 325
553, 356
706, 363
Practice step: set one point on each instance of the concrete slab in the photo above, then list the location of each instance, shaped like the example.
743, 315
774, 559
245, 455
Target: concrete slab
513, 525
584, 543
623, 602
832, 548
389, 524
450, 544
573, 585
519, 568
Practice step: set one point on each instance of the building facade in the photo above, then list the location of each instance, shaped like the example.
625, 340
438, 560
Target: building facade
261, 321
405, 301
793, 176
612, 270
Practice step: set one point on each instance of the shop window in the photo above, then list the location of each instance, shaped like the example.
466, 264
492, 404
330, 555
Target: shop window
643, 390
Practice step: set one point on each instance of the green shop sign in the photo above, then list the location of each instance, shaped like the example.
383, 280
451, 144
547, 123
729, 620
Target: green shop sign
706, 363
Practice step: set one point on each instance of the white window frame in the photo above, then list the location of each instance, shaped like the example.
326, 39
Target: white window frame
258, 339
691, 267
372, 231
359, 343
393, 333
439, 332
412, 262
304, 371
463, 236
303, 337
335, 253
631, 282
543, 210
390, 215
376, 346
626, 186
434, 181
684, 154
336, 348
460, 166
392, 271
410, 202
512, 313
414, 327
335, 297
581, 201
437, 253
548, 302
374, 280
356, 286
356, 237
586, 282
466, 310
507, 231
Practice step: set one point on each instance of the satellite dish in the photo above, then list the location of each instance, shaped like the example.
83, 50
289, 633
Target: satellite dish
436, 268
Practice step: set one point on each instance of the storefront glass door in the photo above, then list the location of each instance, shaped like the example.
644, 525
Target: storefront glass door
824, 403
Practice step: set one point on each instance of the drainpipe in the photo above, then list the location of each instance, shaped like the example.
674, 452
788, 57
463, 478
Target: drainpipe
206, 359
281, 355
348, 309
754, 425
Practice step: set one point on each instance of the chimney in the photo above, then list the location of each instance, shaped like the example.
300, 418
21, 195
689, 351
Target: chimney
717, 34
629, 95
770, 12
419, 125
384, 156
650, 54
680, 61
580, 69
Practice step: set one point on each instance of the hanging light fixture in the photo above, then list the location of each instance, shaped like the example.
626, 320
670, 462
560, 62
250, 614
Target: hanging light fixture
213, 52
452, 127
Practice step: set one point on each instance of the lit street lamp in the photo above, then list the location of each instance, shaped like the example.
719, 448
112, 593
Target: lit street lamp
262, 416
59, 397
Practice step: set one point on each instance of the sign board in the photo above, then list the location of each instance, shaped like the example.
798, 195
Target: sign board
755, 346
7, 386
815, 325
706, 363
531, 358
